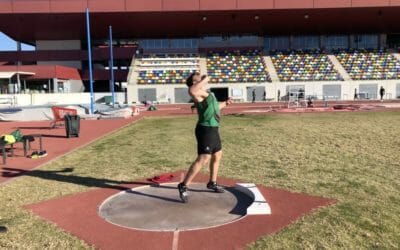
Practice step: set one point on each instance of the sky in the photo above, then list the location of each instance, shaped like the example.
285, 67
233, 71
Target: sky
8, 44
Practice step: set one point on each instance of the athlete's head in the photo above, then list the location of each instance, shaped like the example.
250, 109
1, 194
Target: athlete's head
193, 79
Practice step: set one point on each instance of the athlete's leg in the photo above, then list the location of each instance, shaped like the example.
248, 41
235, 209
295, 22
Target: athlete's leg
214, 165
195, 167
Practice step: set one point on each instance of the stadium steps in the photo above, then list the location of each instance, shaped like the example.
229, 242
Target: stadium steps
271, 69
339, 68
203, 65
133, 74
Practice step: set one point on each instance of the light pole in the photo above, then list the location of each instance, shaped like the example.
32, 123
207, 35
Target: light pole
90, 62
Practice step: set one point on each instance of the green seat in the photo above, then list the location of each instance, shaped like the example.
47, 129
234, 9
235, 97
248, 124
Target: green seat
17, 135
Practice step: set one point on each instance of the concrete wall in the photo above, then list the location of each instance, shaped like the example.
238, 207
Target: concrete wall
76, 86
70, 86
72, 64
240, 89
165, 92
55, 99
120, 97
59, 45
60, 99
46, 99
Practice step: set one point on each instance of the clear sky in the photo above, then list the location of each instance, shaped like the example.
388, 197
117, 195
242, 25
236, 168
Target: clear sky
8, 44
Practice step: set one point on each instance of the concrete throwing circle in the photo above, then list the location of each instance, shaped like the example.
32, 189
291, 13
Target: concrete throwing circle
158, 208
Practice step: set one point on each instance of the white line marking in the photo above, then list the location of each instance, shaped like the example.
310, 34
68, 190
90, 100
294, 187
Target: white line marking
175, 240
164, 109
260, 204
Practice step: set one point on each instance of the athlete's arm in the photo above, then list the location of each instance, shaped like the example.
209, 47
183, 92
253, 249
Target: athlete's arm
196, 89
225, 103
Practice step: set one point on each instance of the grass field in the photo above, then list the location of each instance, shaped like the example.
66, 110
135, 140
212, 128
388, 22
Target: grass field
351, 157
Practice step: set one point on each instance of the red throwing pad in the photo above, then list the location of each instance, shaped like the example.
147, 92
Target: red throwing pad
71, 212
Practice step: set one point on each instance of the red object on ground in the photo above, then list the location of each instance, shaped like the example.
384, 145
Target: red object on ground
78, 215
60, 112
161, 178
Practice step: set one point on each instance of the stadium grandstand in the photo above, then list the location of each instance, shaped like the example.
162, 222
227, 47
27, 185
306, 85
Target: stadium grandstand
335, 50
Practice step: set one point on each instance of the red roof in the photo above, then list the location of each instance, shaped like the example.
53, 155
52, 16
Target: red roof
45, 71
30, 20
105, 6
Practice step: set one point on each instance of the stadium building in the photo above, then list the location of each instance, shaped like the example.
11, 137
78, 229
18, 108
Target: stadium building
269, 49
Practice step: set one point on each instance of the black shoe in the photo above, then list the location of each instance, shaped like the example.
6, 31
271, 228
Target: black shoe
42, 154
183, 194
3, 229
215, 187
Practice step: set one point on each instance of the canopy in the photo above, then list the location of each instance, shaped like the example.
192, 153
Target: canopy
10, 74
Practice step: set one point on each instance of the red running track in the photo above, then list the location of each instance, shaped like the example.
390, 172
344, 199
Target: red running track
55, 141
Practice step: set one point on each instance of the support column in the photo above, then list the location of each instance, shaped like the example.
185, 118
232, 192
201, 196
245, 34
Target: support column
18, 64
9, 86
352, 43
291, 38
322, 42
54, 86
55, 80
382, 41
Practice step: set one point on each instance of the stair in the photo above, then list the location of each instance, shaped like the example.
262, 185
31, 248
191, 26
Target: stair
338, 66
133, 74
271, 69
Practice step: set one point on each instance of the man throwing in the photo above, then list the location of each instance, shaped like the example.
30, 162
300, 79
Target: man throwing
207, 135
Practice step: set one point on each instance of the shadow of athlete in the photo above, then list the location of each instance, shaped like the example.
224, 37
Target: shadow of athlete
209, 147
64, 175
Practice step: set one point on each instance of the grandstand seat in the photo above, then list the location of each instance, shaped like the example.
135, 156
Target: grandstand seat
166, 68
365, 64
163, 76
299, 65
236, 66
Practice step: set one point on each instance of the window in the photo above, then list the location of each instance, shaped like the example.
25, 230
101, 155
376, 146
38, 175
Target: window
366, 41
305, 42
188, 43
165, 43
158, 44
337, 42
276, 43
229, 41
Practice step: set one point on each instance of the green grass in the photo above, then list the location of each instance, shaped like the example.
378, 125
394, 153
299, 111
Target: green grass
351, 157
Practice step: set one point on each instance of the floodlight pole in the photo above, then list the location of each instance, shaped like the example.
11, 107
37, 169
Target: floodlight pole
90, 61
111, 65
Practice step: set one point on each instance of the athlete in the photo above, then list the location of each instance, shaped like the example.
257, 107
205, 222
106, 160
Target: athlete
208, 141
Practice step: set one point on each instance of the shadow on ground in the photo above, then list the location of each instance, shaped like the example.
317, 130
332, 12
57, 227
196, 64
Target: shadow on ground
63, 176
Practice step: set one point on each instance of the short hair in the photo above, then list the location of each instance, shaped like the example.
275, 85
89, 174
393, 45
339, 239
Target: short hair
189, 80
